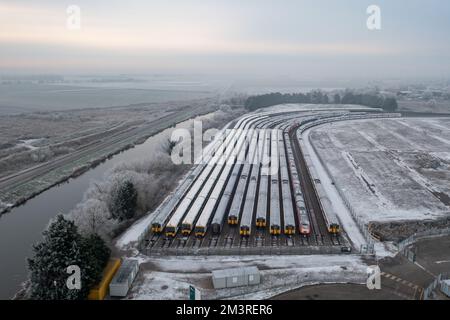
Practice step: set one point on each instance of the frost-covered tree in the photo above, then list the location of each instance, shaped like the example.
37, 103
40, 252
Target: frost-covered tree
124, 201
390, 104
97, 253
62, 247
337, 98
168, 145
92, 216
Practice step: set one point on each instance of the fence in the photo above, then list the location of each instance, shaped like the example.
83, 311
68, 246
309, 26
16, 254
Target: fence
409, 254
272, 285
428, 291
422, 235
253, 251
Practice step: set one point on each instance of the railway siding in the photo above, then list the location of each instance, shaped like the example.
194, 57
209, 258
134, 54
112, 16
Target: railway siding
280, 210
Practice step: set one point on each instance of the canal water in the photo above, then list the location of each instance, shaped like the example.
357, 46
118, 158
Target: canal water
22, 227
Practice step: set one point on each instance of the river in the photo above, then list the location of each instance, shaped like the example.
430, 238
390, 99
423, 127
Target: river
22, 226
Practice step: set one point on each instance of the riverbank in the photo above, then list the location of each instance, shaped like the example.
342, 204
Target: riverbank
23, 226
20, 193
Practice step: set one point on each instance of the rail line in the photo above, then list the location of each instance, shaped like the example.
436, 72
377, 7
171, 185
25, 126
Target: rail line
295, 180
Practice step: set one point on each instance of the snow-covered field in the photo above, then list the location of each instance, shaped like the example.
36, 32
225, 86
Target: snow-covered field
170, 277
290, 107
389, 169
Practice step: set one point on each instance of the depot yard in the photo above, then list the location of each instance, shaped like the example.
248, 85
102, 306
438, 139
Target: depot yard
232, 227
389, 169
245, 207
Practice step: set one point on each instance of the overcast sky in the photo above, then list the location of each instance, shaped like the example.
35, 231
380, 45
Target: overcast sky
314, 38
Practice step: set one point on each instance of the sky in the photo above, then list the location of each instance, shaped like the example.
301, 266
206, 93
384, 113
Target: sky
312, 38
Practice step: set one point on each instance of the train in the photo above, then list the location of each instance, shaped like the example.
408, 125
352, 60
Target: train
304, 224
171, 202
183, 207
330, 217
286, 195
221, 188
274, 214
238, 199
250, 199
262, 207
213, 193
225, 200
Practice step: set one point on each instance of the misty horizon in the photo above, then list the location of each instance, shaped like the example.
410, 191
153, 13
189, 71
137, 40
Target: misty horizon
299, 39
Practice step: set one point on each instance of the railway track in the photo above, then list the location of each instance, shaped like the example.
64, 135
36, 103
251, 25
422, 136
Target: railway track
319, 228
229, 236
104, 146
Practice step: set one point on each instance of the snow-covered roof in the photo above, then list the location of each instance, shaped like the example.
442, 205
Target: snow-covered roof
234, 272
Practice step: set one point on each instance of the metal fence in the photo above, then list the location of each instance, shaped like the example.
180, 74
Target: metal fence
422, 235
224, 251
428, 291
272, 287
409, 254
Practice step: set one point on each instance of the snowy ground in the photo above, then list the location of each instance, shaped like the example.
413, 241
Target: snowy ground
170, 277
390, 169
345, 217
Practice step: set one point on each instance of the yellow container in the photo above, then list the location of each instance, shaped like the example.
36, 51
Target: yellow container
100, 291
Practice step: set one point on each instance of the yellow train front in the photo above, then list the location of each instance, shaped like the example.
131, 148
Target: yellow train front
334, 229
200, 231
244, 231
186, 229
156, 228
261, 223
275, 230
171, 231
232, 220
289, 230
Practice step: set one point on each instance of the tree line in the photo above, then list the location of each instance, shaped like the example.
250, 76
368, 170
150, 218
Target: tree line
318, 97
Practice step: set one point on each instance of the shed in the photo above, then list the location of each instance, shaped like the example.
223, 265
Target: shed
235, 277
124, 277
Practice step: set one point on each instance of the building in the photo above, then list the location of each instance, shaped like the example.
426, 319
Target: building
124, 277
236, 277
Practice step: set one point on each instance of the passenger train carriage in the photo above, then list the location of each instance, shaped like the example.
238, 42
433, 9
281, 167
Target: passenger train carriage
183, 207
275, 219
